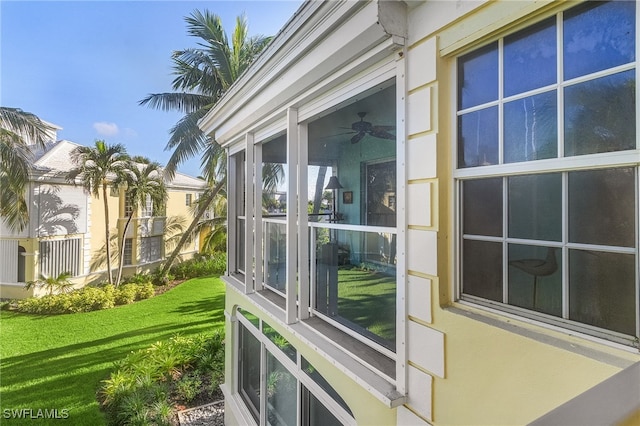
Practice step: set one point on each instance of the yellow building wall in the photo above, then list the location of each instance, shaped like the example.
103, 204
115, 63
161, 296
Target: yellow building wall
96, 230
176, 206
484, 368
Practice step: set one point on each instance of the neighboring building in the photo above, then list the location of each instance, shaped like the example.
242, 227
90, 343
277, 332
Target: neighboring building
466, 138
66, 229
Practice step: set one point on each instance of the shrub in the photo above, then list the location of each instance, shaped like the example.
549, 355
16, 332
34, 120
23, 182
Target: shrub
188, 387
126, 294
143, 382
90, 299
200, 266
145, 291
87, 299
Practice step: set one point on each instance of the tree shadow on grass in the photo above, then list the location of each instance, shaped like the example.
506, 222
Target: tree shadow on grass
203, 306
70, 375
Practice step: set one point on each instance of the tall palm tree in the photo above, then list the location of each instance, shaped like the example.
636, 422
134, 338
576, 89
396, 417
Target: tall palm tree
97, 167
142, 182
20, 132
203, 75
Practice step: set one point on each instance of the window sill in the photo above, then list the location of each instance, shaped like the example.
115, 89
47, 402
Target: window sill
366, 366
601, 350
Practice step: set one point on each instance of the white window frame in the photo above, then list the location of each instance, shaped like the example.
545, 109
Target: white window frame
560, 164
294, 368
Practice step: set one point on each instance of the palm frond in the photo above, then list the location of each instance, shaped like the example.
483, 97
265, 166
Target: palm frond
183, 102
25, 124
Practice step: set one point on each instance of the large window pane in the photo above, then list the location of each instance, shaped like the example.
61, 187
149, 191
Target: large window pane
356, 282
597, 36
357, 145
249, 371
482, 266
535, 207
311, 371
478, 77
316, 414
535, 278
482, 207
600, 115
478, 138
602, 207
602, 290
530, 128
530, 58
281, 394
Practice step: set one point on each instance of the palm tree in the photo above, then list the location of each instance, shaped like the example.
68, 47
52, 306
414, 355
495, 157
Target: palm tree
20, 132
203, 75
142, 182
61, 283
97, 167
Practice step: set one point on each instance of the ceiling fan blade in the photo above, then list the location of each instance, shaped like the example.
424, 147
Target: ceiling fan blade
357, 137
382, 134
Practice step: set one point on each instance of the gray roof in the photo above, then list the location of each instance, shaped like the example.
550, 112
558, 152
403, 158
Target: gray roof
55, 161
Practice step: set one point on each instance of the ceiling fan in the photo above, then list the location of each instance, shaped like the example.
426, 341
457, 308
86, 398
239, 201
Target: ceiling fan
364, 127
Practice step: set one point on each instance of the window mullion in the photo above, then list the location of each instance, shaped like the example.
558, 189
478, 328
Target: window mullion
501, 101
559, 85
565, 249
505, 235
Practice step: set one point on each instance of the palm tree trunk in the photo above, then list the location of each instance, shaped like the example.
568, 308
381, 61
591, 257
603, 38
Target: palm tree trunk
202, 208
121, 258
106, 230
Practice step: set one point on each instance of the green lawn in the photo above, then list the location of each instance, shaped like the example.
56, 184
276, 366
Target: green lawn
58, 362
368, 299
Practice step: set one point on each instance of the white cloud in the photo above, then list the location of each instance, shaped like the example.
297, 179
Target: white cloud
106, 129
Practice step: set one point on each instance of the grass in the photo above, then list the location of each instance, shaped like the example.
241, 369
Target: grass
58, 362
368, 299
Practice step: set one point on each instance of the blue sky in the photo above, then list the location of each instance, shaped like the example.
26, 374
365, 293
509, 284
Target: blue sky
84, 65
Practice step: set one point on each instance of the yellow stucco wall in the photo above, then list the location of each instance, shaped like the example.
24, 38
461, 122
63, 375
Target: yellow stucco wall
497, 370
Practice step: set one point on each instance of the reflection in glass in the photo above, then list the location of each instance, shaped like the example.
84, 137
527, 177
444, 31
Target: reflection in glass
316, 413
602, 207
602, 290
482, 266
281, 394
600, 115
535, 278
478, 77
530, 58
311, 371
249, 371
478, 138
240, 263
535, 207
279, 340
530, 128
250, 317
597, 36
275, 254
356, 283
482, 207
